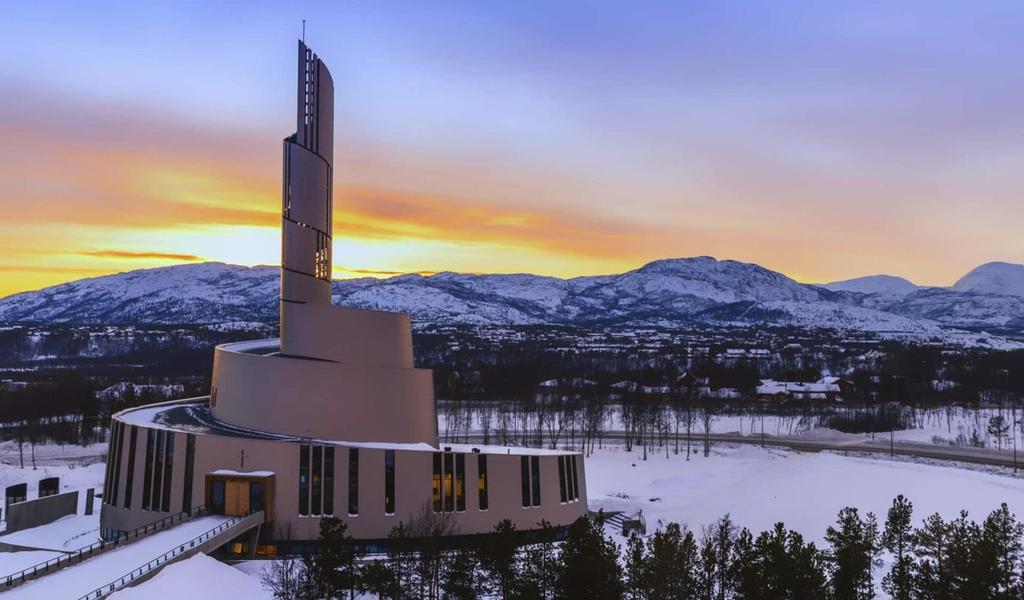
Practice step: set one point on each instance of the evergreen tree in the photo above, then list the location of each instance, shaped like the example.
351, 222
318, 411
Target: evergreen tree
853, 548
538, 568
460, 579
898, 540
715, 555
635, 585
930, 548
1001, 548
670, 570
778, 565
589, 568
332, 570
499, 559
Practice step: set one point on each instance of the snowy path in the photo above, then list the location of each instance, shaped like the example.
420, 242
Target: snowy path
76, 581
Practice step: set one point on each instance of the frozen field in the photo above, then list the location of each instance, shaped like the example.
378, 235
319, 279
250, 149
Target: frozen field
759, 487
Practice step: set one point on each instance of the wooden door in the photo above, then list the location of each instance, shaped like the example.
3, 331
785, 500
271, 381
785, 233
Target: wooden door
237, 498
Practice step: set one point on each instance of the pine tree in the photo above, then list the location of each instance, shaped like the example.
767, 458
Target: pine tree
670, 570
499, 559
459, 581
898, 540
538, 567
853, 547
1001, 545
715, 554
589, 568
332, 570
635, 585
930, 547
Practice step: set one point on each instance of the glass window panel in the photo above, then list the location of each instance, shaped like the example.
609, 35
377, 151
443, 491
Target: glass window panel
147, 477
435, 490
561, 479
303, 479
460, 482
130, 480
165, 501
535, 467
353, 481
524, 472
449, 473
481, 474
316, 483
329, 480
158, 469
389, 482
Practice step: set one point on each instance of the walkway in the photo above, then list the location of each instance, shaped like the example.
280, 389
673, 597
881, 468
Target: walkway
101, 575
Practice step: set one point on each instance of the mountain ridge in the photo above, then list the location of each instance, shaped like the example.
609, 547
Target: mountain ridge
666, 292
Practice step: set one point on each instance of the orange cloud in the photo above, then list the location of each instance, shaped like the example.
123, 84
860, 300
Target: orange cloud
143, 255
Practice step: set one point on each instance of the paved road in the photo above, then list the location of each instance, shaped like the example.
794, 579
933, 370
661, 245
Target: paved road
880, 445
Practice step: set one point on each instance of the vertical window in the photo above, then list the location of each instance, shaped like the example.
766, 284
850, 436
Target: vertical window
190, 467
168, 469
535, 467
449, 496
436, 483
315, 482
389, 482
329, 480
481, 475
353, 481
147, 477
524, 473
158, 469
460, 482
110, 463
131, 468
561, 479
575, 478
255, 496
117, 447
303, 479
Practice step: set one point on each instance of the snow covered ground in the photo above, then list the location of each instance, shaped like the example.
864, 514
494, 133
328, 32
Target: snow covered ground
192, 578
759, 487
756, 486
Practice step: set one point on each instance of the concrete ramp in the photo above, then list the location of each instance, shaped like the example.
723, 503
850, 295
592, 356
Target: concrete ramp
134, 563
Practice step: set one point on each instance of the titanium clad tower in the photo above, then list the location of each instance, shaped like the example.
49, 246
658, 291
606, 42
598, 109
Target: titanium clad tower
307, 199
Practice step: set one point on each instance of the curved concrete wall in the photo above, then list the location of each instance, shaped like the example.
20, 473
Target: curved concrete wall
322, 399
413, 472
352, 336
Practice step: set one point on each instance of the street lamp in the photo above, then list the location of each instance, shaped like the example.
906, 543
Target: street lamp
1016, 424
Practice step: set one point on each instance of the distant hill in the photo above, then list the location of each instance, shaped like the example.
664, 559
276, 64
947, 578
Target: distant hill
993, 278
694, 291
875, 284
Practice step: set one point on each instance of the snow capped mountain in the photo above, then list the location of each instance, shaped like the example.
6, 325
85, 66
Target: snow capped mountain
886, 285
700, 290
993, 278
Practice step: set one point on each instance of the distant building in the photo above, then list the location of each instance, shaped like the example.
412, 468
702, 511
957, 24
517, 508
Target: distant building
332, 418
126, 389
826, 388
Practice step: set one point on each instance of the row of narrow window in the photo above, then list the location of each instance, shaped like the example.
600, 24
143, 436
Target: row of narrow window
316, 480
568, 479
529, 467
448, 485
158, 468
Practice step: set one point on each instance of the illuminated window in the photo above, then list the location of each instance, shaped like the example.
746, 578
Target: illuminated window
449, 497
460, 482
435, 491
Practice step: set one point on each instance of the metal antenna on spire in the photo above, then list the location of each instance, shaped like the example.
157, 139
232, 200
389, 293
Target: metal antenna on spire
303, 31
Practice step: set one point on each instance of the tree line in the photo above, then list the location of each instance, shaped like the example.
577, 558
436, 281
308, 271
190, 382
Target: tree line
938, 560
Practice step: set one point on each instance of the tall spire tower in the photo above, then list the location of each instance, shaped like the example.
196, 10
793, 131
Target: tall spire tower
307, 197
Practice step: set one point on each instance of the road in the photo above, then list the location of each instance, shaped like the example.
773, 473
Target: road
981, 456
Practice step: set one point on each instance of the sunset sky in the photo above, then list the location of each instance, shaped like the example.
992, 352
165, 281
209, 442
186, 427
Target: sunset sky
825, 140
